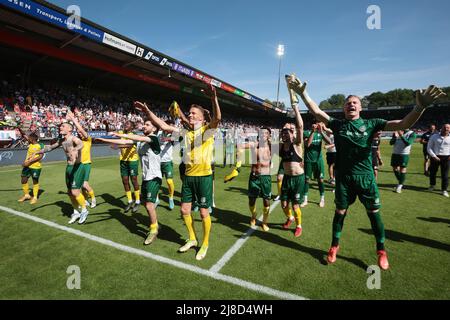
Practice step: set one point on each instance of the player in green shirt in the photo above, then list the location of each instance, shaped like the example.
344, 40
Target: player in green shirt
314, 167
354, 173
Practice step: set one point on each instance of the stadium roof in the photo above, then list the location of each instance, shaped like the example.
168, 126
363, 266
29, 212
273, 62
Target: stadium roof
46, 29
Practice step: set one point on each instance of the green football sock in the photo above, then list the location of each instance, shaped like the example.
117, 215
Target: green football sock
338, 225
377, 228
402, 178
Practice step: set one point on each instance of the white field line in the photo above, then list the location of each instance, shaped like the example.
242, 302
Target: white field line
239, 243
217, 276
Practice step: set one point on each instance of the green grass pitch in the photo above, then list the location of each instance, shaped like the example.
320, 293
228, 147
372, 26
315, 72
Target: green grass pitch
35, 257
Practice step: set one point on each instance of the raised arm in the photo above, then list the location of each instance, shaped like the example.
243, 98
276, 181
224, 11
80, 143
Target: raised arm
50, 147
177, 112
23, 134
70, 116
153, 118
133, 137
120, 142
300, 88
298, 118
322, 130
423, 100
216, 114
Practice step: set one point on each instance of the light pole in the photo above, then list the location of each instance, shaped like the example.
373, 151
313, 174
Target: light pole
280, 53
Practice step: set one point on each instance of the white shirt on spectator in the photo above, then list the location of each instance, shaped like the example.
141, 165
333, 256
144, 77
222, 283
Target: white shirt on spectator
438, 145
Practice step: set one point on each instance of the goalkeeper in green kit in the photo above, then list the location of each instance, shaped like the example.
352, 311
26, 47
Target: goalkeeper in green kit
354, 174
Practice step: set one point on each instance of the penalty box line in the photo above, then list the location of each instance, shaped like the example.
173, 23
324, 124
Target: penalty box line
181, 265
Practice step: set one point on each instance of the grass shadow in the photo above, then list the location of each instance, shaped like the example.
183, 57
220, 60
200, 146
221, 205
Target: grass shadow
110, 199
318, 254
403, 237
240, 223
390, 187
435, 219
238, 190
136, 223
66, 207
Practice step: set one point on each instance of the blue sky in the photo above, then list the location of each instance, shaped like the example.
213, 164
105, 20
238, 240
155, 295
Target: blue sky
326, 42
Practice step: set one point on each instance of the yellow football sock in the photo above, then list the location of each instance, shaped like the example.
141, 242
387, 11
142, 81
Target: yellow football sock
129, 196
26, 188
279, 183
298, 216
206, 230
81, 200
171, 187
253, 211
85, 193
154, 227
74, 202
137, 196
266, 214
35, 190
190, 226
91, 194
287, 212
239, 155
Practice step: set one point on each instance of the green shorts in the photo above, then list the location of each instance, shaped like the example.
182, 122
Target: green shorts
87, 171
198, 190
314, 169
150, 189
260, 186
399, 160
75, 176
182, 169
129, 168
280, 169
33, 173
167, 169
292, 188
363, 186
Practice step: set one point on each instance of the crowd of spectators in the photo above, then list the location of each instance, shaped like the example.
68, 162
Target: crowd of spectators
44, 108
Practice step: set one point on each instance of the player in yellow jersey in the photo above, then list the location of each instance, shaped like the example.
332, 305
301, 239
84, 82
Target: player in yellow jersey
197, 182
129, 168
31, 167
85, 158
